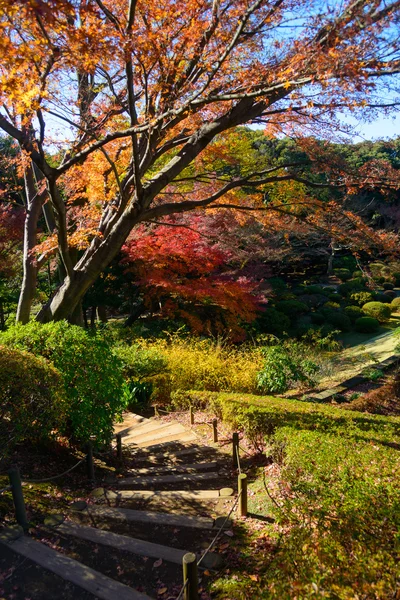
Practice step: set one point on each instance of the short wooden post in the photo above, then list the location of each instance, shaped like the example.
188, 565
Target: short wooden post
242, 490
18, 497
89, 462
215, 430
235, 449
191, 415
119, 447
190, 576
156, 413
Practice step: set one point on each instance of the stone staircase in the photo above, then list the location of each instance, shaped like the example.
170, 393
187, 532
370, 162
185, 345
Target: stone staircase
127, 541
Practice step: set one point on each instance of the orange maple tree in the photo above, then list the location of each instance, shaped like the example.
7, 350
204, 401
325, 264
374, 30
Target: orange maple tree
115, 104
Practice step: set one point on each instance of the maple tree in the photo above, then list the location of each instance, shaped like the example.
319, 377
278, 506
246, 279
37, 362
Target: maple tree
121, 109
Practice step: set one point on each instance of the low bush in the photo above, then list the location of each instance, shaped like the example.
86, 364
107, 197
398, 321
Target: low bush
32, 399
285, 366
313, 300
390, 294
378, 311
140, 363
314, 289
366, 325
335, 297
291, 308
272, 321
395, 304
353, 285
91, 374
342, 274
317, 318
337, 319
387, 285
382, 297
332, 305
353, 312
357, 274
360, 298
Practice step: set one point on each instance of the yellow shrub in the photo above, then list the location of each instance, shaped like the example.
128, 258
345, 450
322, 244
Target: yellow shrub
204, 365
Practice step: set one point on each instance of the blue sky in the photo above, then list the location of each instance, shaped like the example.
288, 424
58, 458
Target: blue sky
382, 128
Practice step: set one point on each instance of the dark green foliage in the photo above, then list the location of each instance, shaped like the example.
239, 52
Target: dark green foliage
353, 312
366, 325
32, 399
357, 274
342, 274
273, 321
382, 297
353, 285
140, 363
361, 298
283, 367
337, 319
314, 289
390, 294
317, 318
313, 300
91, 374
378, 311
335, 297
292, 308
298, 290
387, 286
279, 286
331, 305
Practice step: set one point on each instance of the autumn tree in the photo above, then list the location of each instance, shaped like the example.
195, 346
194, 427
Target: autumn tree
116, 105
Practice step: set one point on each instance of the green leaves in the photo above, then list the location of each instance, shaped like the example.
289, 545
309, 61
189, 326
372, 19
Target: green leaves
283, 367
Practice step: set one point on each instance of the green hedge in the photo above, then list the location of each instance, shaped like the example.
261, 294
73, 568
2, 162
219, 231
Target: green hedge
366, 325
91, 374
32, 399
378, 311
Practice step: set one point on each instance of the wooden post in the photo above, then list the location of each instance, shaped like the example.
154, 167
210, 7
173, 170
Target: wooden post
119, 447
242, 487
89, 462
18, 497
235, 449
191, 415
156, 413
190, 575
215, 430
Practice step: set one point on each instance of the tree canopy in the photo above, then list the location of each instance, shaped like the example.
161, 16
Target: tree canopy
123, 109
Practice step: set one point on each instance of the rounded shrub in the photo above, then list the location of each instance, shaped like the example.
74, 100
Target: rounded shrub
284, 367
353, 312
377, 310
360, 298
272, 321
390, 294
388, 286
317, 318
395, 304
339, 321
357, 274
91, 374
354, 285
335, 297
31, 397
381, 297
366, 325
314, 289
313, 300
292, 308
332, 305
342, 274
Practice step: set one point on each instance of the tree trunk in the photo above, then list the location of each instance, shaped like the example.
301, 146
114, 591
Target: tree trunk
102, 314
34, 203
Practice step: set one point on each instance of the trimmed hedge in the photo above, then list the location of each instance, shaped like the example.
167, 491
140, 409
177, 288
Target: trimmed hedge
382, 297
361, 298
378, 311
366, 325
342, 274
291, 308
395, 304
390, 294
273, 321
32, 398
353, 312
388, 286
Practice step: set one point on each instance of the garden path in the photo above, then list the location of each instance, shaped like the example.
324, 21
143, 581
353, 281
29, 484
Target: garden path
166, 500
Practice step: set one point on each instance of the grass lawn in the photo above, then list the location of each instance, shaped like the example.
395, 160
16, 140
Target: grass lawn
327, 506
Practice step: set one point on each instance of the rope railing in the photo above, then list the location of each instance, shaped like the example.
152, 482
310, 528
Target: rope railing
46, 479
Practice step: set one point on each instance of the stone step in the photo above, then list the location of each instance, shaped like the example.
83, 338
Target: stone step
142, 428
159, 432
160, 494
161, 442
107, 513
71, 570
167, 451
122, 542
130, 420
157, 480
177, 468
